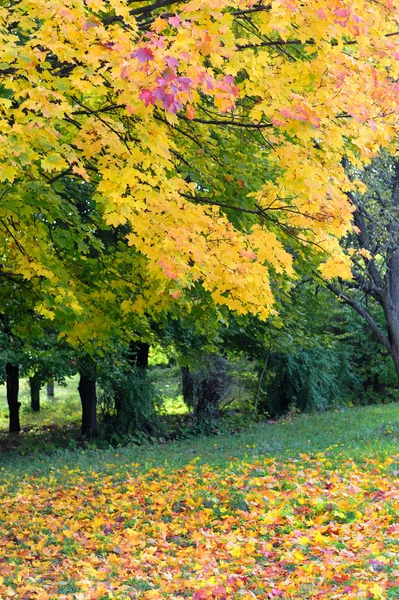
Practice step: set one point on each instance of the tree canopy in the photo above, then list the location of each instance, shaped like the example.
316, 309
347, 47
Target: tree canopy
209, 136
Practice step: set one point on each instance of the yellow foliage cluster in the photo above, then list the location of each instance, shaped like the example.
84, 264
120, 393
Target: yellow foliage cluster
94, 90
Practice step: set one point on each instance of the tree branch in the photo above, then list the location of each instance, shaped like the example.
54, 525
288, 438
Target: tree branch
222, 123
381, 337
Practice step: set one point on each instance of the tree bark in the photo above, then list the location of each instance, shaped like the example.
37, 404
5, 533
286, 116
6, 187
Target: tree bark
391, 312
50, 389
187, 384
88, 398
138, 354
12, 383
34, 384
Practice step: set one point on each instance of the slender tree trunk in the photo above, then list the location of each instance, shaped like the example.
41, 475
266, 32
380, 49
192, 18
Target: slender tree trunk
50, 389
12, 381
187, 384
395, 351
390, 305
88, 398
138, 354
261, 375
34, 384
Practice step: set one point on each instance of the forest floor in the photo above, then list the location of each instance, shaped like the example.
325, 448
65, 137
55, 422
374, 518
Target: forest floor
303, 508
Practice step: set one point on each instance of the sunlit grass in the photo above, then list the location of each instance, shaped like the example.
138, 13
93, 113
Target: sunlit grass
64, 408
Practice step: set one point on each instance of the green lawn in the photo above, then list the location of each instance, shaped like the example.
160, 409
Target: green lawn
306, 508
348, 433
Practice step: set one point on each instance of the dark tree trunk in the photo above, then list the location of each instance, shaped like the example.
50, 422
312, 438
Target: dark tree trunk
390, 305
88, 398
12, 381
50, 389
187, 384
138, 354
392, 322
34, 384
207, 401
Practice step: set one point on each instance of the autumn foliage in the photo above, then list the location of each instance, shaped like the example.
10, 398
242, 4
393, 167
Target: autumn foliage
139, 99
309, 528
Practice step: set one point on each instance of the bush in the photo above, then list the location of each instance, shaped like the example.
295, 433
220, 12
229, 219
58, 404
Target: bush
126, 406
210, 386
307, 380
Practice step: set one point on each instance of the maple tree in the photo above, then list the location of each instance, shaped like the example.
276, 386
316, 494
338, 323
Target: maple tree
138, 100
151, 147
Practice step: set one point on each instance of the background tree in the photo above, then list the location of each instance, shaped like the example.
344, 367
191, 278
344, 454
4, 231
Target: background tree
315, 355
374, 247
44, 358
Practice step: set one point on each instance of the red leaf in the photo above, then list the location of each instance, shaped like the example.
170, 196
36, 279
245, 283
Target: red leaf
143, 54
219, 591
199, 595
189, 112
174, 21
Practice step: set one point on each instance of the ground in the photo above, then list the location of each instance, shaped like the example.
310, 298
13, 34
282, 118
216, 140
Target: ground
305, 508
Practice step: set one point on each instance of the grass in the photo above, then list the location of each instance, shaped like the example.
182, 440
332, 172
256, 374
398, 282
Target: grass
64, 408
347, 433
302, 508
167, 381
55, 426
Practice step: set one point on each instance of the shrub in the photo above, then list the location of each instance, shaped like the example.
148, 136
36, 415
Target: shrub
126, 405
307, 380
210, 387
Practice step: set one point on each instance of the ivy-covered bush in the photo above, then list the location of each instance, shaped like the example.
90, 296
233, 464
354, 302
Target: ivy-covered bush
126, 405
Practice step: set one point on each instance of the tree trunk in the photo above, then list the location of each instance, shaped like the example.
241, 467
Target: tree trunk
50, 389
394, 339
12, 381
390, 305
379, 279
34, 384
187, 384
138, 354
392, 323
88, 398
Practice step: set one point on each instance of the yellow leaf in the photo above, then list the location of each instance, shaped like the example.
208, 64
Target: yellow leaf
377, 591
236, 552
54, 162
336, 266
97, 522
304, 541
